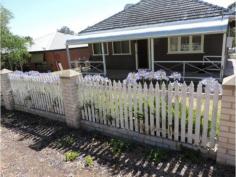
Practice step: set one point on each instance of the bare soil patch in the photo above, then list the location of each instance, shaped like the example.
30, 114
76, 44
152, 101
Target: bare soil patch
35, 147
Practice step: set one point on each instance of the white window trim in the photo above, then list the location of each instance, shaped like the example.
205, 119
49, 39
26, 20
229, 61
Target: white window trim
101, 46
190, 41
113, 53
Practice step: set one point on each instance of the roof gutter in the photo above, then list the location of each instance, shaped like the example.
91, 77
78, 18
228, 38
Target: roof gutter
198, 26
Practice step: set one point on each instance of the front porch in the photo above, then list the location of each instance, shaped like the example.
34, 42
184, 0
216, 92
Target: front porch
152, 54
196, 50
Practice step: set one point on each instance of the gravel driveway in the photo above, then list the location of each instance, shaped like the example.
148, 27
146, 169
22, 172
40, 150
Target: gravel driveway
32, 146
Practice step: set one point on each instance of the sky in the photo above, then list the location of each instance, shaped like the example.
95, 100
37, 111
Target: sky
36, 18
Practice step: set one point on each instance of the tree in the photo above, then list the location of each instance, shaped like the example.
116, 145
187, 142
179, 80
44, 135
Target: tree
66, 30
13, 47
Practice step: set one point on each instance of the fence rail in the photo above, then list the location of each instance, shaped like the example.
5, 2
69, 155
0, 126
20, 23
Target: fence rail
171, 111
41, 93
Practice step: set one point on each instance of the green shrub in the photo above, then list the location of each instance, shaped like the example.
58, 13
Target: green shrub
157, 155
88, 161
118, 146
71, 155
68, 140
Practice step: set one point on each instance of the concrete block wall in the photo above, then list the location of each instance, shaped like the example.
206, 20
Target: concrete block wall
226, 144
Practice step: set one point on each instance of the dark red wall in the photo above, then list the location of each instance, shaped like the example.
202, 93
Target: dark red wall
212, 46
52, 57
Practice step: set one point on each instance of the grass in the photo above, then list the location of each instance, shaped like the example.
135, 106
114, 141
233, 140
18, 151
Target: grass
71, 155
89, 161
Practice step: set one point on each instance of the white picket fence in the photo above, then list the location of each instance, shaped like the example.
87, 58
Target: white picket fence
41, 93
2, 101
175, 112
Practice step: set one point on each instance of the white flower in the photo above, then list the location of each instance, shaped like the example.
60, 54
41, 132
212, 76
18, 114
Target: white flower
212, 84
160, 75
35, 76
95, 78
175, 76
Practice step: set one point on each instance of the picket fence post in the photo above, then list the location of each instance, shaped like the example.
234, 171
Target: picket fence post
226, 145
6, 89
69, 89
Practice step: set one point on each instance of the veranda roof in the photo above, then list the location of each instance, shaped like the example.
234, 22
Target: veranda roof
199, 26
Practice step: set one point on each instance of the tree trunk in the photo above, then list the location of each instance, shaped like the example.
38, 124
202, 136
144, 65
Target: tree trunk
10, 66
21, 67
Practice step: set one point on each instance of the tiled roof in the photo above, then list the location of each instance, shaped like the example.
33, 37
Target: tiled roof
148, 12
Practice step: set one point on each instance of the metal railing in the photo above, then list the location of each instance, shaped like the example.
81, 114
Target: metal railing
88, 67
199, 69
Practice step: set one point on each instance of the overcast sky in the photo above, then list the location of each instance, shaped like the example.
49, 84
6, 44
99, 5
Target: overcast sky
39, 17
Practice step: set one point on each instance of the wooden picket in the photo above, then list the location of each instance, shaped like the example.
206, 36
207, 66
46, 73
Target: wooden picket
174, 111
42, 93
190, 118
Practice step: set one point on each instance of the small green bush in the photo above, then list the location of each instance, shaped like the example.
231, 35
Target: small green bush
118, 146
69, 140
157, 155
71, 155
88, 161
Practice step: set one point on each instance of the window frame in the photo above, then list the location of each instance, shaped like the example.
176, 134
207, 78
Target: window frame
190, 45
101, 47
113, 51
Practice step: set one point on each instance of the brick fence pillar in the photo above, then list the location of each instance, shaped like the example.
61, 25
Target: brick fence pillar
226, 146
70, 97
6, 89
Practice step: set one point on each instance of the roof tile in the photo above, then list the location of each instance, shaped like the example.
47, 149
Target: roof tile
148, 12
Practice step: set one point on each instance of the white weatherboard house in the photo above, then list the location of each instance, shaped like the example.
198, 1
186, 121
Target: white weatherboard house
188, 36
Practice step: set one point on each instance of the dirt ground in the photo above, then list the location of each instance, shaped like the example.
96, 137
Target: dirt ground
32, 146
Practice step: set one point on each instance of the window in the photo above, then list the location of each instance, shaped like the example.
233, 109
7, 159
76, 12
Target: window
174, 44
121, 48
196, 43
97, 48
185, 44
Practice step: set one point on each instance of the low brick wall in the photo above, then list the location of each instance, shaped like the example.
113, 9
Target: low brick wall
130, 135
141, 138
48, 115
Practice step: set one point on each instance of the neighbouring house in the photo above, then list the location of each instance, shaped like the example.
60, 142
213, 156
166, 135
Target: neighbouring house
188, 36
48, 53
232, 7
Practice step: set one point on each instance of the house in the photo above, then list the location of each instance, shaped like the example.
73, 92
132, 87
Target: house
48, 53
232, 7
188, 36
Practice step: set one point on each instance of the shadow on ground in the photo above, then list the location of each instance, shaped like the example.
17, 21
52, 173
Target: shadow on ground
133, 160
